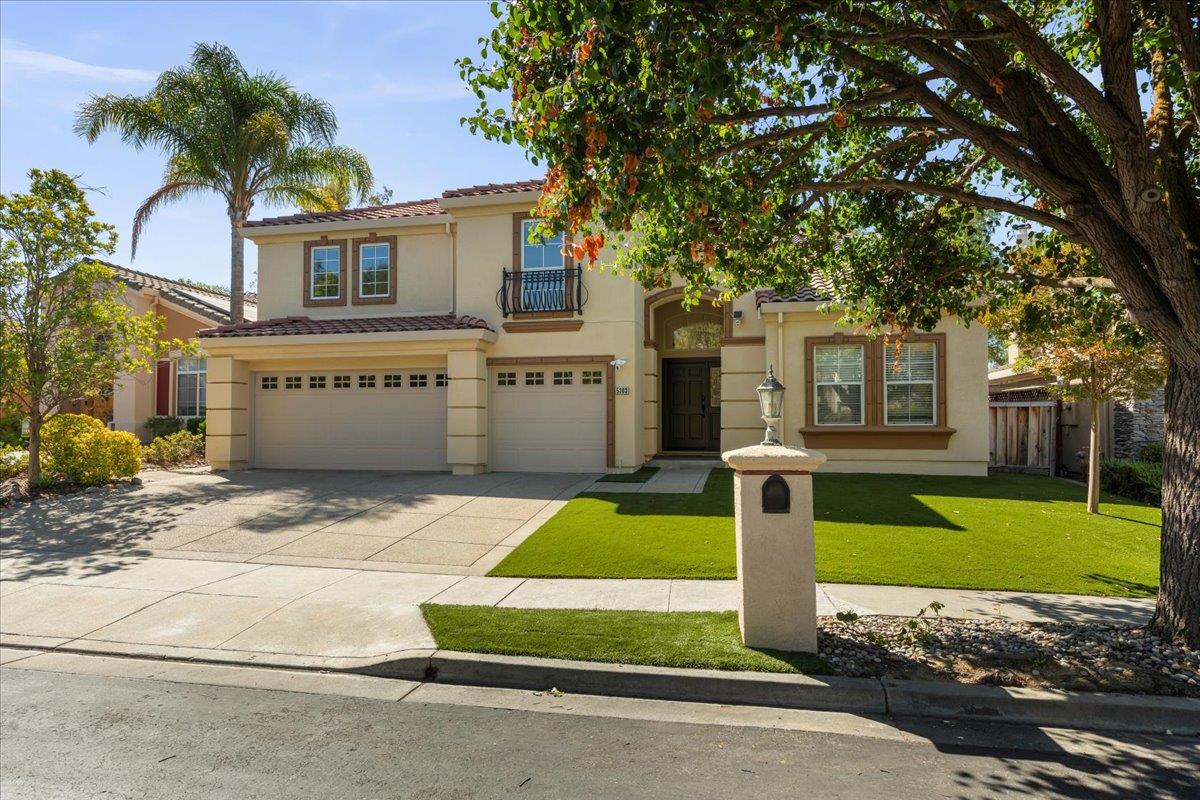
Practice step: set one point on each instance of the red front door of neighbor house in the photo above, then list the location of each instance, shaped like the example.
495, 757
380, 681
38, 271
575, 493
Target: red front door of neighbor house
162, 389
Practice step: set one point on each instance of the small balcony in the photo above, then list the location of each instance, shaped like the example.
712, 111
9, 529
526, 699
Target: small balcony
542, 291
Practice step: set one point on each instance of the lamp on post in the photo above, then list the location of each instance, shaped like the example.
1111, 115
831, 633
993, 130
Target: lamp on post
770, 399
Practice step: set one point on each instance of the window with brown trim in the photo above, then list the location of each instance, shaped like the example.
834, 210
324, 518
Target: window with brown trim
860, 394
324, 273
374, 272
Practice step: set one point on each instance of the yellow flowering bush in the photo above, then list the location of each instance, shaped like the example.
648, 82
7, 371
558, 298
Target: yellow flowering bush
175, 448
82, 449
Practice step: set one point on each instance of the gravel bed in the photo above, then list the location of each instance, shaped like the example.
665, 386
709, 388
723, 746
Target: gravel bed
1106, 658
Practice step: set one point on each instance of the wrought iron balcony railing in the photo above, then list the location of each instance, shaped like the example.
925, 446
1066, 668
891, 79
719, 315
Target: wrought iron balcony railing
541, 290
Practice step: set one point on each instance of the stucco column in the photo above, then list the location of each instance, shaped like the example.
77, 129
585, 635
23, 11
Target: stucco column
227, 422
466, 412
775, 569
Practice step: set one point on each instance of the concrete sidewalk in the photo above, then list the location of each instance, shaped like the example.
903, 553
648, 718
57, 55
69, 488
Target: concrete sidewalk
345, 618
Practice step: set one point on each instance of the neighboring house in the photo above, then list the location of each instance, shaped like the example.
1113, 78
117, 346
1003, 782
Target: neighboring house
177, 386
432, 334
1064, 425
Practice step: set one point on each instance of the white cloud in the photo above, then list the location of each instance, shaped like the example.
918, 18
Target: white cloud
16, 57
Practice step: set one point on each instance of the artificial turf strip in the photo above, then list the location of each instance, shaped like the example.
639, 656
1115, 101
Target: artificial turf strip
693, 639
642, 475
1005, 531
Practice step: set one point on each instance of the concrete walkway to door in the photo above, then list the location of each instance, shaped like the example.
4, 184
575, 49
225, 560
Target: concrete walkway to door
411, 522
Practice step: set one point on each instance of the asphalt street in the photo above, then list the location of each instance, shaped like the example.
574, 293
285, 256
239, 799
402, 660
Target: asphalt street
68, 730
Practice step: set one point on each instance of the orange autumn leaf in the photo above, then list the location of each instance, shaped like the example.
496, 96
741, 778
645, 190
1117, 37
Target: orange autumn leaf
631, 184
839, 118
996, 84
631, 162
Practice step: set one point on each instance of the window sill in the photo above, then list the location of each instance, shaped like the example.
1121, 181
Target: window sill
878, 437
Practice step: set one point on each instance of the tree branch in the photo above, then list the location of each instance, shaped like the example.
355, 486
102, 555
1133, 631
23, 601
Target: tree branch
1188, 43
962, 195
919, 123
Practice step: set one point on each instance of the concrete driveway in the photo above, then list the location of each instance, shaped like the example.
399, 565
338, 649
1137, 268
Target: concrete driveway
414, 522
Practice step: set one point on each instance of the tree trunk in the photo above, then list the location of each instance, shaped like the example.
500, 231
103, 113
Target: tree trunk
1093, 480
237, 269
1177, 615
35, 448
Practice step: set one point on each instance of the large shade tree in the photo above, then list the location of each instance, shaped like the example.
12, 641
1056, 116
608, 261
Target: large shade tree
757, 142
246, 137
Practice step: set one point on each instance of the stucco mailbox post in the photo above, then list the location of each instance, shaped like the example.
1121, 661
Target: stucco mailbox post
773, 514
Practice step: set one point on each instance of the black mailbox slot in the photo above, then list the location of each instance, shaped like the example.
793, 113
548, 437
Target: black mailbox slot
776, 496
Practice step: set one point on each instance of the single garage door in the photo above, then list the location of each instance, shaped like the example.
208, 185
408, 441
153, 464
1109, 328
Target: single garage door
393, 419
548, 418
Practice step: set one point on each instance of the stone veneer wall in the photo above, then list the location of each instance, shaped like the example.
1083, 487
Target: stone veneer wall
1137, 423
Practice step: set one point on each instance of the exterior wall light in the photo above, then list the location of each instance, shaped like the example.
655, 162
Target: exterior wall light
770, 400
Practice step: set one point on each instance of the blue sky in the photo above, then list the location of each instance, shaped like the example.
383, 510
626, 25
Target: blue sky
387, 68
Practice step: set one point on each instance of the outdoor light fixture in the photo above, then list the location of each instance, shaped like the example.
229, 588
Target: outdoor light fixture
770, 399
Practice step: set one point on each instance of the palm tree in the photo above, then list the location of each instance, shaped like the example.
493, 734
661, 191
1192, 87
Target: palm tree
246, 137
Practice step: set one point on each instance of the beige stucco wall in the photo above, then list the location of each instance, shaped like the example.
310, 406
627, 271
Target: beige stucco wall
966, 398
423, 268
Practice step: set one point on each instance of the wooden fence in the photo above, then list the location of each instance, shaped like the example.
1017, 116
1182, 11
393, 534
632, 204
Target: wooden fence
1022, 436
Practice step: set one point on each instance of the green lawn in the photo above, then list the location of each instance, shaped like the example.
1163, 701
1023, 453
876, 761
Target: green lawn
701, 640
1017, 532
641, 475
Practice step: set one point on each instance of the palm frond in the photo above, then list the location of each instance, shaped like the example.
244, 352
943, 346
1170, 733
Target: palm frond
167, 193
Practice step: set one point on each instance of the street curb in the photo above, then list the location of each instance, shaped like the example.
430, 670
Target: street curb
817, 692
931, 699
936, 699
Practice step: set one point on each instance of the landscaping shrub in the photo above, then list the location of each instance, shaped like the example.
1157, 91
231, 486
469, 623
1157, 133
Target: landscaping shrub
1152, 452
196, 425
177, 448
82, 449
163, 426
10, 432
1137, 480
13, 461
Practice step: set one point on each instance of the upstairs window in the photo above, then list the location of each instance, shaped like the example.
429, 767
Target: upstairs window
325, 276
838, 384
909, 384
374, 271
190, 387
539, 253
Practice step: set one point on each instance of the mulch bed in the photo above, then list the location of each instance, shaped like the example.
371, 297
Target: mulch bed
16, 490
1080, 657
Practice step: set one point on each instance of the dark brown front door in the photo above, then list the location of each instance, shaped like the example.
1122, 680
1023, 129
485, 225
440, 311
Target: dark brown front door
691, 411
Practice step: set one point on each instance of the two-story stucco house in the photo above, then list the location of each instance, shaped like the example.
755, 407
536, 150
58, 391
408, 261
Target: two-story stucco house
433, 335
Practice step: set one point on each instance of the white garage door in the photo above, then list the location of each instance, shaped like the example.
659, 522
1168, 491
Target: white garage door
548, 418
394, 419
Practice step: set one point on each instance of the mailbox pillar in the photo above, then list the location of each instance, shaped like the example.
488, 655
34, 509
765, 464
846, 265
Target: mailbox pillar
772, 498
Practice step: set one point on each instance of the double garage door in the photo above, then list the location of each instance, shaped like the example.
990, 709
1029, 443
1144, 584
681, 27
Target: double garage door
542, 418
548, 418
351, 419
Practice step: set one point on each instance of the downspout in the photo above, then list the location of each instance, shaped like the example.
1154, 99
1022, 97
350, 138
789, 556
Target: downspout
452, 232
781, 372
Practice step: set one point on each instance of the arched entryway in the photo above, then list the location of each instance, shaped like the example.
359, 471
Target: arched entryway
687, 344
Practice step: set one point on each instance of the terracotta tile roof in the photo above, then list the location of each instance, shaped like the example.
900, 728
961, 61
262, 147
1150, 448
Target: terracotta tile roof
495, 188
202, 300
303, 326
410, 208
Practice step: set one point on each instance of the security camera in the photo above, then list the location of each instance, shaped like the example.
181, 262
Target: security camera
617, 363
